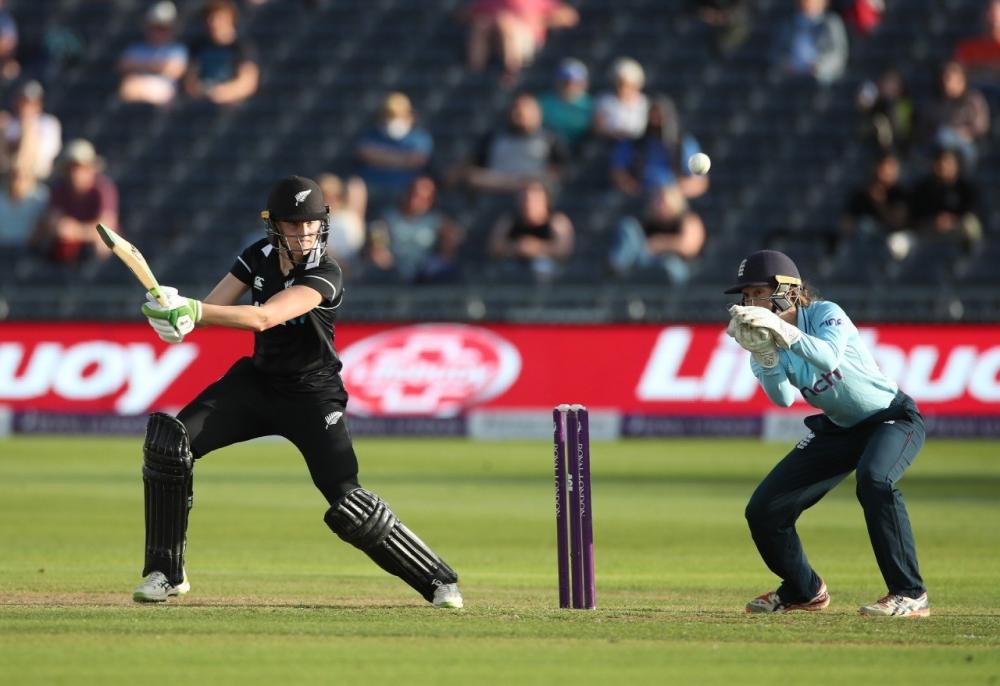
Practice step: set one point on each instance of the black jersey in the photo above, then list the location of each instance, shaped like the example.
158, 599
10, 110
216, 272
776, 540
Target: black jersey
303, 345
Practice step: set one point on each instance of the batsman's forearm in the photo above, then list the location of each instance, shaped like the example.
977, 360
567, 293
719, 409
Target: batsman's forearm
236, 317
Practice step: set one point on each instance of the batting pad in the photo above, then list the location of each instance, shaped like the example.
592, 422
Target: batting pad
167, 481
365, 521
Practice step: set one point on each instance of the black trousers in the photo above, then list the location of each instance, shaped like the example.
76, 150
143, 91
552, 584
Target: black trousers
880, 448
246, 404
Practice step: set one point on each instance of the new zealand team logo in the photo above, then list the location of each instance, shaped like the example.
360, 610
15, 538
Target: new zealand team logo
437, 370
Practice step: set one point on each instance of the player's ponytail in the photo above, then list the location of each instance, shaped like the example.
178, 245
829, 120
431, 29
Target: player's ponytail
806, 295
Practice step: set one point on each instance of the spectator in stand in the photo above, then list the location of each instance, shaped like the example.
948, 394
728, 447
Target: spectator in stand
862, 16
82, 198
522, 153
980, 55
958, 117
943, 204
223, 67
568, 110
811, 44
33, 137
534, 234
60, 46
888, 110
622, 114
728, 21
10, 68
876, 216
669, 237
414, 242
152, 67
395, 152
519, 28
660, 157
348, 204
22, 201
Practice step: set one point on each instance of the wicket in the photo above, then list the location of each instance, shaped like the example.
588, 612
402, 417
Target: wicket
574, 516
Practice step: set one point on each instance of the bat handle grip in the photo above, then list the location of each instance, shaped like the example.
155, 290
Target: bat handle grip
160, 297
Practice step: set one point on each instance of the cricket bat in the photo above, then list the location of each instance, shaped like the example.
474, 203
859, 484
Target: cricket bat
133, 259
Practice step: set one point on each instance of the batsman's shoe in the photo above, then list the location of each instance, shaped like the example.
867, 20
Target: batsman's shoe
448, 595
898, 606
156, 588
771, 602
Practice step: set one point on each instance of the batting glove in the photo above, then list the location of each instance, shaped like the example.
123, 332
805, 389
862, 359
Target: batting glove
758, 342
785, 335
175, 320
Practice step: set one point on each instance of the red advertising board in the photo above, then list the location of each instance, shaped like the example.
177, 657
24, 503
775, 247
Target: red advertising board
448, 369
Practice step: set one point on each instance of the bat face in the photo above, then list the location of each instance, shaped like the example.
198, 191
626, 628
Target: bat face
133, 259
136, 254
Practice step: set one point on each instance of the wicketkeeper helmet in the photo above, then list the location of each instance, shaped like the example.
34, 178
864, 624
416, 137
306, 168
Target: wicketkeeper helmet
769, 268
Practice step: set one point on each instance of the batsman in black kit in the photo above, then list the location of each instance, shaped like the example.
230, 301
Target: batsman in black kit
291, 387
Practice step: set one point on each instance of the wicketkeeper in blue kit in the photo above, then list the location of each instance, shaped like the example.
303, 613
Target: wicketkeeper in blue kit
801, 344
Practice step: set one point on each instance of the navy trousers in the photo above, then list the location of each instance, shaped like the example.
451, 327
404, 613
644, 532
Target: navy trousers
880, 448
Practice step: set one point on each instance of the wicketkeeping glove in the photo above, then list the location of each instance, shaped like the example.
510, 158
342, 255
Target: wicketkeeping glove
174, 321
785, 335
758, 341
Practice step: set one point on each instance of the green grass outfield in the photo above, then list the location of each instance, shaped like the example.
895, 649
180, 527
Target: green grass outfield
278, 599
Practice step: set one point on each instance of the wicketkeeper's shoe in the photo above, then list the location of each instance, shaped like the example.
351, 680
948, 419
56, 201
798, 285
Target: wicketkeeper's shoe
448, 595
156, 588
894, 605
772, 602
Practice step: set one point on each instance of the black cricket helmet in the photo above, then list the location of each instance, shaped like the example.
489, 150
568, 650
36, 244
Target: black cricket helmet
770, 268
296, 199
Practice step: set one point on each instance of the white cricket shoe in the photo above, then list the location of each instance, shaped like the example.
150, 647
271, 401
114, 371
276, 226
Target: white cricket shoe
448, 595
156, 588
771, 602
894, 605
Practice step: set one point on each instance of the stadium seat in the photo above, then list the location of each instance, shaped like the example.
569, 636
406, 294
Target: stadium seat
327, 66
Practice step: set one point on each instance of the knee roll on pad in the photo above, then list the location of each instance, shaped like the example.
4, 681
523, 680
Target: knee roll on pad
362, 519
167, 482
365, 521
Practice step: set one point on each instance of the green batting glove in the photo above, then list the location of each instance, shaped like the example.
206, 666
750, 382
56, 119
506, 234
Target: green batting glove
181, 313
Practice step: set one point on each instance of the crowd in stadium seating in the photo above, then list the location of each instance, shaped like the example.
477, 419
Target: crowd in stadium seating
387, 225
516, 27
885, 219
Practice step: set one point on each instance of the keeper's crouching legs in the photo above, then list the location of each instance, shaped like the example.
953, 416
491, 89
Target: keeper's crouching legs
365, 521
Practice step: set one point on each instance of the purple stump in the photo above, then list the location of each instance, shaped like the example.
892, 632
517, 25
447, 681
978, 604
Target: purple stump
562, 547
585, 506
576, 560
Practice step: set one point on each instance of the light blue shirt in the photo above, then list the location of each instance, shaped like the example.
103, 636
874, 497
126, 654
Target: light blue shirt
153, 56
830, 366
17, 219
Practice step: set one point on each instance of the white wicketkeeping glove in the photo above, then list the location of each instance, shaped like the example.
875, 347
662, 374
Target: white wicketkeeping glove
758, 341
785, 335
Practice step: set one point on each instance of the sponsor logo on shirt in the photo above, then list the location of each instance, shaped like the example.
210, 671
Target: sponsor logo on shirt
824, 384
258, 283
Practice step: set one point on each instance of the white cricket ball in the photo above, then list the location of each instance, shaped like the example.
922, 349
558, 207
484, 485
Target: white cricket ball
699, 163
